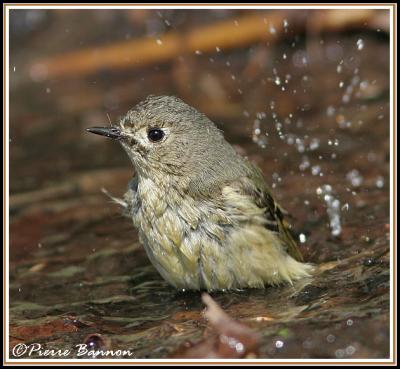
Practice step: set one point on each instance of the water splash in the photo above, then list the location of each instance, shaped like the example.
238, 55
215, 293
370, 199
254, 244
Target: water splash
333, 208
258, 137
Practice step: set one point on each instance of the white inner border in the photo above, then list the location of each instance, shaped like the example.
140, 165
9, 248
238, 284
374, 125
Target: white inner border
205, 6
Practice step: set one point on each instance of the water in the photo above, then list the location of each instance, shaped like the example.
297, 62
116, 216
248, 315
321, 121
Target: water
333, 208
77, 268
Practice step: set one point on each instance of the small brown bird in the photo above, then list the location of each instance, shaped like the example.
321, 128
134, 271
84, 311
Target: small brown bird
204, 213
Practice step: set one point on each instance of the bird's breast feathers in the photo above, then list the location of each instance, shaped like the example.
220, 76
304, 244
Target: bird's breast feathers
214, 243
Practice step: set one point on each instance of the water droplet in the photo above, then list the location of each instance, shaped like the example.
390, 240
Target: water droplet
314, 144
239, 347
285, 24
330, 111
272, 105
364, 85
305, 163
346, 206
340, 354
341, 120
315, 170
369, 262
360, 44
345, 98
350, 350
330, 338
336, 142
259, 139
95, 343
380, 181
333, 208
354, 82
302, 238
279, 344
366, 239
276, 177
355, 178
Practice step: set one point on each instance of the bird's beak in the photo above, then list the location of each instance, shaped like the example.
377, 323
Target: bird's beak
110, 132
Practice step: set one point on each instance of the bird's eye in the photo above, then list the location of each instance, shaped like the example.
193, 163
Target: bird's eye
155, 134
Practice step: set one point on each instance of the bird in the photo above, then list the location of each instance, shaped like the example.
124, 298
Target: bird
203, 212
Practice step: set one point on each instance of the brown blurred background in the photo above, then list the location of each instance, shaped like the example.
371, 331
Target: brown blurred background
303, 93
74, 68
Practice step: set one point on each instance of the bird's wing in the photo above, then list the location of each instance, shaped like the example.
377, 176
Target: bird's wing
254, 186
